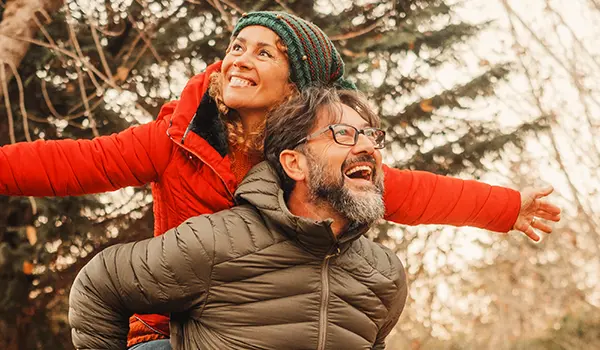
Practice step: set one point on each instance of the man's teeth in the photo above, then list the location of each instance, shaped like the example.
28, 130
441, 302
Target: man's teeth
239, 82
359, 168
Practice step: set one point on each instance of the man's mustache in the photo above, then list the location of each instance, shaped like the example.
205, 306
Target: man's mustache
363, 158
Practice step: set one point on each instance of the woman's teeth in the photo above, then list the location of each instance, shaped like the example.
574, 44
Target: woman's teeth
239, 82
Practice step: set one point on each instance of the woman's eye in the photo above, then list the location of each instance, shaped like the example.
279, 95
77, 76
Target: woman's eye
265, 54
236, 47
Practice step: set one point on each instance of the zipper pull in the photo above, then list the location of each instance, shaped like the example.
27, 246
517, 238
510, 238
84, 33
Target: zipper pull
334, 254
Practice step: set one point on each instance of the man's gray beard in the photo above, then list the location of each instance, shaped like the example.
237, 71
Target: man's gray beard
360, 208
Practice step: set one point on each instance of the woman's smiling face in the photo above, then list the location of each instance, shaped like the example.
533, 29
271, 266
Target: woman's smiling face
255, 71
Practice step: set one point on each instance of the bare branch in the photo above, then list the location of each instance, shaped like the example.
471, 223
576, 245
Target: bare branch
19, 20
11, 123
357, 33
21, 101
551, 134
146, 40
224, 15
511, 13
101, 52
573, 35
75, 43
84, 63
233, 6
284, 6
89, 113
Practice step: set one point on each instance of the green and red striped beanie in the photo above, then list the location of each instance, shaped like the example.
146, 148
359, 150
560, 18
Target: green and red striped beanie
313, 58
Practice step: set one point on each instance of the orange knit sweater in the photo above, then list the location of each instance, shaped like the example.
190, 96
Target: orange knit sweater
242, 162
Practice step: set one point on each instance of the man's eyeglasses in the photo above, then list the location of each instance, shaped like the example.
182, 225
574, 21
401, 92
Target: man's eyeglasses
347, 135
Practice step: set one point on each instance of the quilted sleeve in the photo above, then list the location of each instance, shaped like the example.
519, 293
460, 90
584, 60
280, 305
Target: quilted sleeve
418, 197
168, 273
133, 157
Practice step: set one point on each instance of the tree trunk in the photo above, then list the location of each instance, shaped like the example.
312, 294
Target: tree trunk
19, 24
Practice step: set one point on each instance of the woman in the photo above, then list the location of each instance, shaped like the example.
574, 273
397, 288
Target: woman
201, 146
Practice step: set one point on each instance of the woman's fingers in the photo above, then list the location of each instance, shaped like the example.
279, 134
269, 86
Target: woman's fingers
542, 226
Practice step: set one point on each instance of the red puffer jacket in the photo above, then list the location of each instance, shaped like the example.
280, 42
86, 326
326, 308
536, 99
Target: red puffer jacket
183, 153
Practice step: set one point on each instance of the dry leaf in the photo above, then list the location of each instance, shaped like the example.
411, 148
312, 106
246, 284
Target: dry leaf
122, 73
426, 106
31, 234
27, 268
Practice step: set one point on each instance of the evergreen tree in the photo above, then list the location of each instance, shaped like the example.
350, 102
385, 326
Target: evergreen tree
100, 67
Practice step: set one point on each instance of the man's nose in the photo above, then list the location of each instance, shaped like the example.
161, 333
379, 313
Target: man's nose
364, 145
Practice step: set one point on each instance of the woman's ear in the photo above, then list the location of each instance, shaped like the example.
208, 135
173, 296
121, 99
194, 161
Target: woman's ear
291, 90
294, 164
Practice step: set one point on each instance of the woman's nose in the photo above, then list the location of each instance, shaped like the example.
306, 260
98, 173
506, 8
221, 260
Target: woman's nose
243, 61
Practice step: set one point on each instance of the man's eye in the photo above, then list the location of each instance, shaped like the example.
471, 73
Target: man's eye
344, 133
236, 47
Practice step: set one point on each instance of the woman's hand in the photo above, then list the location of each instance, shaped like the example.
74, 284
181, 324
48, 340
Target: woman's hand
534, 211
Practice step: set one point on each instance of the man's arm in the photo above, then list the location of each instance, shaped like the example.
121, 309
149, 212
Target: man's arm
390, 321
398, 302
169, 273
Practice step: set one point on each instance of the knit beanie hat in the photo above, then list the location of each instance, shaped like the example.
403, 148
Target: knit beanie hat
312, 56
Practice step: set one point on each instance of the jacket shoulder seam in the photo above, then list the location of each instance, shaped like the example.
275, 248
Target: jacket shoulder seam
374, 266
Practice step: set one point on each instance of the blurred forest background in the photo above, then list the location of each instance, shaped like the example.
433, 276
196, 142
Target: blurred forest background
500, 90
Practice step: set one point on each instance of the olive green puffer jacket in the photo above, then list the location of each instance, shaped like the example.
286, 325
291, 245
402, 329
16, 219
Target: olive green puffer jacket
252, 277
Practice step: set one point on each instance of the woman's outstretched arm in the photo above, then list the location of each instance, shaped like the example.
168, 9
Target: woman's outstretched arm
133, 157
418, 197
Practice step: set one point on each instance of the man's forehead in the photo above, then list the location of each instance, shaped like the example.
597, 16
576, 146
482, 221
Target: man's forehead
339, 113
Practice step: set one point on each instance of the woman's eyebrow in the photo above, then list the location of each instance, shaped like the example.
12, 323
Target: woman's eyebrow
258, 43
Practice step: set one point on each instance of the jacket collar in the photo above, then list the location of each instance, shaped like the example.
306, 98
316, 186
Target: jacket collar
196, 127
262, 189
193, 104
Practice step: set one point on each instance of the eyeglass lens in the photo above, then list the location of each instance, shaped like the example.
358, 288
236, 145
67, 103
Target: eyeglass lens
348, 135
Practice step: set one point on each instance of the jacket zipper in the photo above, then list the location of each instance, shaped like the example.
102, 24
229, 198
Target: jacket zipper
325, 299
203, 161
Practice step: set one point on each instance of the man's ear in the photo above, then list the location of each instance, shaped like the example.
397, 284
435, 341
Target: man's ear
294, 164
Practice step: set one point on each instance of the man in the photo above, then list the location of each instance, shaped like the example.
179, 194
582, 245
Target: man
289, 268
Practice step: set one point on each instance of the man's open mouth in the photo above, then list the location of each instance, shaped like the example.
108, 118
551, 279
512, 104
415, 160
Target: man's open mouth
362, 171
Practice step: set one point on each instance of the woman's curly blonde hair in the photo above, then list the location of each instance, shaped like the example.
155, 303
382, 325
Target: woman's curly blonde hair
251, 143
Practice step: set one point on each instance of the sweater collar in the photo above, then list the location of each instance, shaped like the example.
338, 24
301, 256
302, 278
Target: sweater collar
262, 189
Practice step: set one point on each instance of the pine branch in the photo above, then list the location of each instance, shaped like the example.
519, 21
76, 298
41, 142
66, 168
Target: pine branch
138, 230
476, 87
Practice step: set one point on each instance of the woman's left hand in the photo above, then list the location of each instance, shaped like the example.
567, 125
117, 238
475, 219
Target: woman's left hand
535, 211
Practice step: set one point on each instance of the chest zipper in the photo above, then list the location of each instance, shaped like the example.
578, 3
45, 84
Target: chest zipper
325, 298
203, 161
